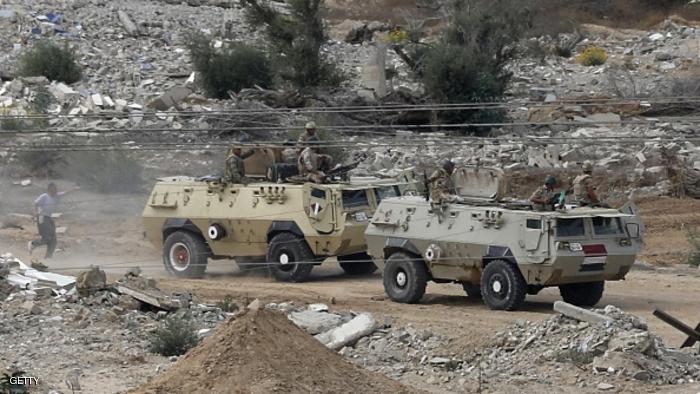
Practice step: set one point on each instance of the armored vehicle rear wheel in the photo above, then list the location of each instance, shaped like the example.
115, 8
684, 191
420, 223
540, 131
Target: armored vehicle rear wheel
283, 251
405, 278
185, 254
472, 290
502, 286
357, 264
582, 294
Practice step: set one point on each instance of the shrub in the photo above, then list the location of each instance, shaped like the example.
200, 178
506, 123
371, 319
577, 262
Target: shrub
57, 63
296, 39
43, 163
232, 68
694, 239
593, 56
468, 63
227, 304
103, 171
174, 338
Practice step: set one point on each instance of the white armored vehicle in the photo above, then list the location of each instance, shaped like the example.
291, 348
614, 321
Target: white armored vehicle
500, 250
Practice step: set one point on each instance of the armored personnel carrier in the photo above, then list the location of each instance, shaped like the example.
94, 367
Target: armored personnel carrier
289, 226
500, 250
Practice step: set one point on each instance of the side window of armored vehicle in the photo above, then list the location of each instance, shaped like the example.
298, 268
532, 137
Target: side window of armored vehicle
570, 227
355, 198
387, 191
606, 226
535, 224
318, 193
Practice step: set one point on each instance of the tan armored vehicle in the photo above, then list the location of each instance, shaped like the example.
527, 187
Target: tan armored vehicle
289, 226
500, 250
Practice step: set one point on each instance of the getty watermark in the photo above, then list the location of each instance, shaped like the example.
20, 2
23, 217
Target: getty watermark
24, 380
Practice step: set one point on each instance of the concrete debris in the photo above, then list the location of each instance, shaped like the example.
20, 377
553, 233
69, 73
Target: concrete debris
360, 326
90, 281
579, 314
315, 322
127, 23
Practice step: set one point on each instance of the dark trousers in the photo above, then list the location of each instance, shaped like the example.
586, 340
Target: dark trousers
47, 231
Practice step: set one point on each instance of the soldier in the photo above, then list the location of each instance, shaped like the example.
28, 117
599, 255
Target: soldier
313, 165
443, 189
308, 137
584, 189
545, 197
235, 170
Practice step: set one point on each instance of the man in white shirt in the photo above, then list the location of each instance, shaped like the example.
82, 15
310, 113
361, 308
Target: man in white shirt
44, 207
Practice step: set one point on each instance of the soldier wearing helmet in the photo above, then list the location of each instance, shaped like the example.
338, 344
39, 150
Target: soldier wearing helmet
442, 187
234, 172
545, 198
308, 137
584, 188
313, 165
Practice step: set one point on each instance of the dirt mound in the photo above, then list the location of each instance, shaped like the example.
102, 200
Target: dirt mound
263, 352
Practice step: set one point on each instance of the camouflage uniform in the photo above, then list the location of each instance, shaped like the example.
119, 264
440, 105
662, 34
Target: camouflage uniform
442, 188
312, 165
546, 194
581, 185
234, 172
306, 139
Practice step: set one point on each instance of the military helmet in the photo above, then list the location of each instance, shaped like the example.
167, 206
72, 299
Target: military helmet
448, 165
550, 180
310, 125
587, 166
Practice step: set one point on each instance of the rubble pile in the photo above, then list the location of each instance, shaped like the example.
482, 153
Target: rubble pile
89, 329
619, 347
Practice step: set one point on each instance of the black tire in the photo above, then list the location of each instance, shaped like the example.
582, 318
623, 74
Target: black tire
472, 290
185, 254
503, 286
582, 294
285, 249
405, 278
357, 264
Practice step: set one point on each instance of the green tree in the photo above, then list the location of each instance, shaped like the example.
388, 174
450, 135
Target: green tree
232, 68
57, 63
295, 39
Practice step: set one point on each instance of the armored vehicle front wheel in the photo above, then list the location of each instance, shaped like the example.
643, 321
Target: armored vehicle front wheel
472, 290
357, 264
502, 286
582, 294
289, 258
185, 254
405, 278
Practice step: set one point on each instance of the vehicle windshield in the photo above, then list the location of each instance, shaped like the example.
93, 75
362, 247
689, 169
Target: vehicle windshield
355, 198
386, 191
570, 227
606, 226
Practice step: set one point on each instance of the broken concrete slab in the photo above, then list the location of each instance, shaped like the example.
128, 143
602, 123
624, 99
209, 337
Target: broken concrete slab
128, 24
360, 326
63, 92
579, 314
315, 322
153, 297
170, 98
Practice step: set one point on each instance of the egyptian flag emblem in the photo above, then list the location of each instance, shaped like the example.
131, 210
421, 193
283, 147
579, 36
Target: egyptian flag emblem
594, 259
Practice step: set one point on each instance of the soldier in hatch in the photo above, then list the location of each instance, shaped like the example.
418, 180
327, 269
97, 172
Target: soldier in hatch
585, 189
442, 188
546, 197
313, 165
234, 172
308, 137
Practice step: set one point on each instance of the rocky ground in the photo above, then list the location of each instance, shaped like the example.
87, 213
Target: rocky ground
90, 334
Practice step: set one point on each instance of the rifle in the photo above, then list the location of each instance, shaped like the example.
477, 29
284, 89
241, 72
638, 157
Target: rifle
342, 171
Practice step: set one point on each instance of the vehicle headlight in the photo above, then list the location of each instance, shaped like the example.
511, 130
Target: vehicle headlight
575, 247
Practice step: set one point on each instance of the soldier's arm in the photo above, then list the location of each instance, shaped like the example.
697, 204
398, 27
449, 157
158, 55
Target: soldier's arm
247, 154
537, 197
591, 190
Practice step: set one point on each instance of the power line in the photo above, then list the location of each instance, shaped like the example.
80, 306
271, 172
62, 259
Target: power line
380, 108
